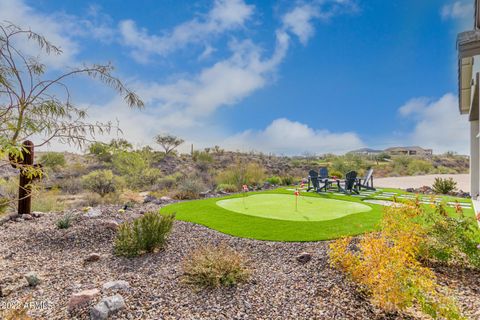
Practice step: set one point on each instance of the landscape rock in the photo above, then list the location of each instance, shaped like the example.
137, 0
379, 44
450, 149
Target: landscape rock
27, 216
166, 199
106, 307
37, 214
304, 257
149, 198
82, 298
93, 213
111, 224
33, 279
92, 257
116, 285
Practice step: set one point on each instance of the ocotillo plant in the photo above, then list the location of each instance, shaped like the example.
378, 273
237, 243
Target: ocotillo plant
28, 173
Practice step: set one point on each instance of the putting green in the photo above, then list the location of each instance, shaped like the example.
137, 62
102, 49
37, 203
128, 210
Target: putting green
282, 207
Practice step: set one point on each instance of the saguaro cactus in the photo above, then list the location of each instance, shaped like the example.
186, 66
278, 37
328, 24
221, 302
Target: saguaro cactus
27, 176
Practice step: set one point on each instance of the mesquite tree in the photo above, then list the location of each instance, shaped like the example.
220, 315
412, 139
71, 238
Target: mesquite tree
168, 142
36, 107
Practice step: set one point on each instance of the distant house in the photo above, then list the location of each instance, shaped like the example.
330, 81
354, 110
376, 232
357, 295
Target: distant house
366, 151
409, 151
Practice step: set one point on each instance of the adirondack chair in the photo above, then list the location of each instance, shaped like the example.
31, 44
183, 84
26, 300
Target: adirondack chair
349, 183
313, 182
323, 177
366, 182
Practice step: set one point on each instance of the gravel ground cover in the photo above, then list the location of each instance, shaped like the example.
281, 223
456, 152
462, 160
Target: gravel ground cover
280, 287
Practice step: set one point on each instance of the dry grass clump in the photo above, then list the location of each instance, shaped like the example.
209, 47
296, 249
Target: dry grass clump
215, 266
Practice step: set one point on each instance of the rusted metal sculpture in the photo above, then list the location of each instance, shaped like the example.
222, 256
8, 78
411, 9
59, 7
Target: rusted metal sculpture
25, 165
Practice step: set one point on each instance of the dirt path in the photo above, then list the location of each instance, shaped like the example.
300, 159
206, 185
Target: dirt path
463, 181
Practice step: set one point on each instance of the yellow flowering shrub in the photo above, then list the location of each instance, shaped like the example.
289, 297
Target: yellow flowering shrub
386, 265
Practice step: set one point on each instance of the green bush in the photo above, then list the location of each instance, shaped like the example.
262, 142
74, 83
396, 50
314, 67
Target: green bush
145, 234
214, 266
451, 239
288, 180
275, 180
337, 174
128, 163
202, 156
65, 222
53, 160
417, 166
230, 188
102, 182
444, 186
101, 150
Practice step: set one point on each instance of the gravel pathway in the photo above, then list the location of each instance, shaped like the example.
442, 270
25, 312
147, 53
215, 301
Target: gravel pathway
280, 287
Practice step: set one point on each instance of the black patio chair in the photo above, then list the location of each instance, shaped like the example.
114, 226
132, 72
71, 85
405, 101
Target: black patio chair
313, 182
349, 183
324, 178
366, 182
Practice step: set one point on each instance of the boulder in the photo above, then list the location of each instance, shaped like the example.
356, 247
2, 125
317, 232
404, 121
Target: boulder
111, 224
81, 298
92, 257
107, 306
304, 257
27, 216
93, 213
116, 285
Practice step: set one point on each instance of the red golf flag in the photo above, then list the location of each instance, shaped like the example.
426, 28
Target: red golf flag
297, 193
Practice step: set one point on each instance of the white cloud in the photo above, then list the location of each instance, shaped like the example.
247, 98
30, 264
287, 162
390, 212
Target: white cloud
226, 15
438, 124
60, 29
300, 20
457, 10
20, 14
284, 136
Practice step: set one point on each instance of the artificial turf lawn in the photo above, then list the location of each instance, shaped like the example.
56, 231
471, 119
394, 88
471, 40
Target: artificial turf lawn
283, 207
208, 213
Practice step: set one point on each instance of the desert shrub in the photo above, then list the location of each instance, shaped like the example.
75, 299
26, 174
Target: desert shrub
214, 266
71, 185
288, 180
202, 156
167, 182
386, 266
145, 234
451, 239
275, 180
129, 197
65, 222
47, 201
242, 173
128, 163
230, 188
418, 166
53, 160
4, 204
189, 188
337, 174
101, 151
102, 182
91, 199
445, 170
444, 186
147, 178
400, 164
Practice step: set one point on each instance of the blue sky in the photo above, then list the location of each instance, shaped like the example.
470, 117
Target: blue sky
279, 76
